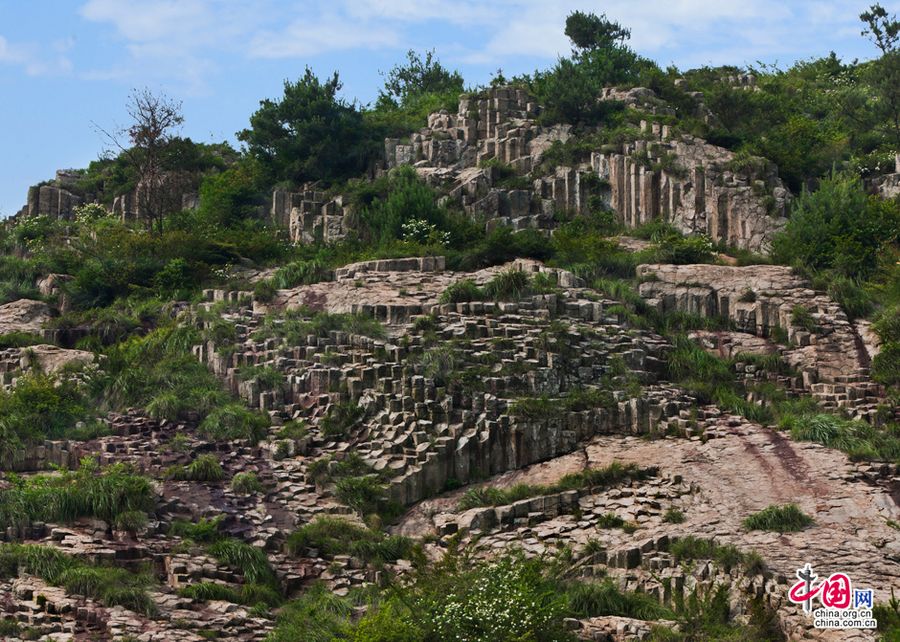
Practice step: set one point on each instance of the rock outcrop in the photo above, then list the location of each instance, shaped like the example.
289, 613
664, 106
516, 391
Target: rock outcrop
695, 186
771, 301
24, 315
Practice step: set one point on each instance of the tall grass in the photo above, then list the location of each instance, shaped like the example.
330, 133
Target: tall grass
91, 491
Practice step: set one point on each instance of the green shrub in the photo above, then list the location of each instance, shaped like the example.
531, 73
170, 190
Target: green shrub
300, 273
110, 586
134, 521
510, 285
341, 419
91, 491
264, 291
39, 407
235, 421
250, 561
462, 291
246, 484
783, 519
204, 468
838, 226
595, 599
332, 536
203, 530
673, 516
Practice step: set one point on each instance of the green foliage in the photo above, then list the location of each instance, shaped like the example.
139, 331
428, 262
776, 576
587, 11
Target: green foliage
341, 419
839, 227
366, 495
403, 198
295, 326
300, 273
860, 440
782, 519
250, 561
462, 291
510, 285
204, 468
318, 615
332, 536
90, 491
886, 365
235, 421
246, 483
20, 340
110, 586
595, 599
411, 92
673, 516
689, 548
510, 599
309, 134
39, 407
249, 594
615, 474
205, 530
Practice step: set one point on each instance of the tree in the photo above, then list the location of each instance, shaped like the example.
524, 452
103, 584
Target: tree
154, 120
588, 31
403, 83
310, 134
884, 31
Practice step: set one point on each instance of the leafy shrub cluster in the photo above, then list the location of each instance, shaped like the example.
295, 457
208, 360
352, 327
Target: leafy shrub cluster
40, 407
110, 586
782, 519
506, 600
332, 536
614, 474
91, 491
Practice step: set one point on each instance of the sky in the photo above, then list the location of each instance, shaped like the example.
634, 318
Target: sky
67, 66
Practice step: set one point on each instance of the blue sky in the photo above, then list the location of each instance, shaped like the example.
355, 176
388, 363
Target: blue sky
67, 64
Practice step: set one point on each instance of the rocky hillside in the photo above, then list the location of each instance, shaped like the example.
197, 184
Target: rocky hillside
503, 377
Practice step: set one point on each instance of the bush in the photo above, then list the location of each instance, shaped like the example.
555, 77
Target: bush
110, 586
203, 530
235, 421
840, 227
246, 484
332, 536
250, 561
204, 468
91, 491
341, 419
39, 407
510, 285
783, 519
595, 599
462, 291
673, 516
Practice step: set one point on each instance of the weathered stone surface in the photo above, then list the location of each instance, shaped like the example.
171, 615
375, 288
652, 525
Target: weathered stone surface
24, 315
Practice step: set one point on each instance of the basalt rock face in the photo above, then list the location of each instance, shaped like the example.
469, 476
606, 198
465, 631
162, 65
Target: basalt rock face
487, 158
696, 187
765, 301
447, 398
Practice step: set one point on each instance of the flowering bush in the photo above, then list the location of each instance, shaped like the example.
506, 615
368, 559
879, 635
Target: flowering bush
421, 231
90, 212
508, 600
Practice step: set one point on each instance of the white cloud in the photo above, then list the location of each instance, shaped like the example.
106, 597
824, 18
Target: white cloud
189, 39
305, 37
35, 60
